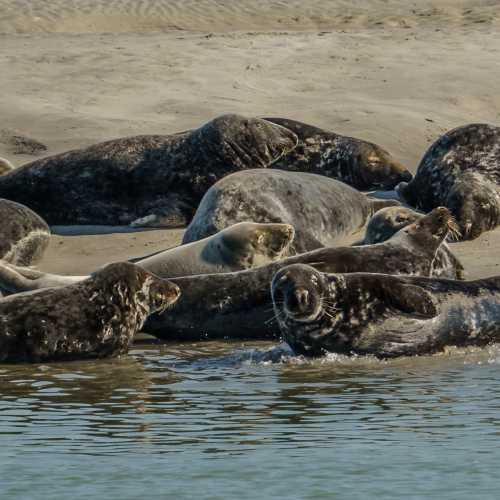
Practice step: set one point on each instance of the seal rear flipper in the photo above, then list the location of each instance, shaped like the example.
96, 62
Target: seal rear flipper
169, 212
411, 299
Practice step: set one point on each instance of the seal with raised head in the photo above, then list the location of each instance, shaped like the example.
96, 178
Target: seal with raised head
24, 235
322, 210
239, 305
153, 180
461, 171
381, 315
5, 166
390, 220
95, 318
361, 164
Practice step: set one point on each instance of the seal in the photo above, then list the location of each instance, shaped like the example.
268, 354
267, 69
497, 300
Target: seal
153, 180
381, 315
5, 166
239, 305
390, 220
323, 211
24, 235
92, 319
361, 164
461, 171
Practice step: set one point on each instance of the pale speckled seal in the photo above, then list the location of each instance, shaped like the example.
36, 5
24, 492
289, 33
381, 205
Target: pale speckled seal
322, 210
381, 315
361, 164
95, 318
461, 171
5, 166
238, 305
390, 220
24, 236
152, 180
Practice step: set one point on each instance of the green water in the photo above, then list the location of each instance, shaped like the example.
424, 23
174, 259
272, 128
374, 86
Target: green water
214, 421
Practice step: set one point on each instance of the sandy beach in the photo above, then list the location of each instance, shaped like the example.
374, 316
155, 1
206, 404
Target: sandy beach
395, 73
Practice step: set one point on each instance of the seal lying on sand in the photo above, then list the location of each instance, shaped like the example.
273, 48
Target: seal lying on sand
5, 166
24, 236
390, 220
95, 318
321, 210
385, 316
238, 305
359, 163
145, 180
461, 171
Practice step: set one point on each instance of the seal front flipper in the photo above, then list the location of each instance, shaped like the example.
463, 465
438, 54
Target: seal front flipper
167, 212
411, 299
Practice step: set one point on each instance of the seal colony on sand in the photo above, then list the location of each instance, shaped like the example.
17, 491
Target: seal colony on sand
321, 210
390, 220
461, 171
5, 166
385, 316
239, 305
95, 318
24, 236
359, 163
149, 180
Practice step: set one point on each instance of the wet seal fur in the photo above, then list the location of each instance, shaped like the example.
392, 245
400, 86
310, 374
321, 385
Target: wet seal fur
149, 180
461, 171
390, 220
361, 164
239, 305
24, 235
381, 315
5, 166
95, 318
321, 210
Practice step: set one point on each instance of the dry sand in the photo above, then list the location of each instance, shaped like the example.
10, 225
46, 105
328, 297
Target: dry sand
398, 73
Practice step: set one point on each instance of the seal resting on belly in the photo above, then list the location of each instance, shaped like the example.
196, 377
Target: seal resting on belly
381, 315
461, 171
97, 317
323, 211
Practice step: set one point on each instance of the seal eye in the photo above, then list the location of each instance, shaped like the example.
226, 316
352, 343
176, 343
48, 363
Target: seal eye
314, 280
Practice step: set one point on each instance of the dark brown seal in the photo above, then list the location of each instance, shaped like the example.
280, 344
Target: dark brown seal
24, 235
361, 164
95, 318
381, 315
461, 171
238, 305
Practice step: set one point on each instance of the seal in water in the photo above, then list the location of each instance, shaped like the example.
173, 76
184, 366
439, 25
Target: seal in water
24, 236
381, 315
321, 210
145, 180
390, 220
5, 166
95, 318
359, 163
461, 171
239, 305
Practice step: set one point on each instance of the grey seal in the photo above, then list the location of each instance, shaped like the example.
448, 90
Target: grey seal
461, 171
152, 180
381, 315
361, 164
24, 235
5, 166
95, 318
322, 210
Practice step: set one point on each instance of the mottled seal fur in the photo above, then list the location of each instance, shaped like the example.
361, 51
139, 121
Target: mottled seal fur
361, 164
238, 305
461, 171
322, 210
381, 315
24, 235
390, 220
5, 166
95, 318
153, 180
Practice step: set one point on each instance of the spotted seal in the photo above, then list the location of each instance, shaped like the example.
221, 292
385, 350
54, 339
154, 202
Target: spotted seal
5, 166
24, 235
381, 315
361, 164
238, 305
95, 318
461, 171
322, 210
153, 180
